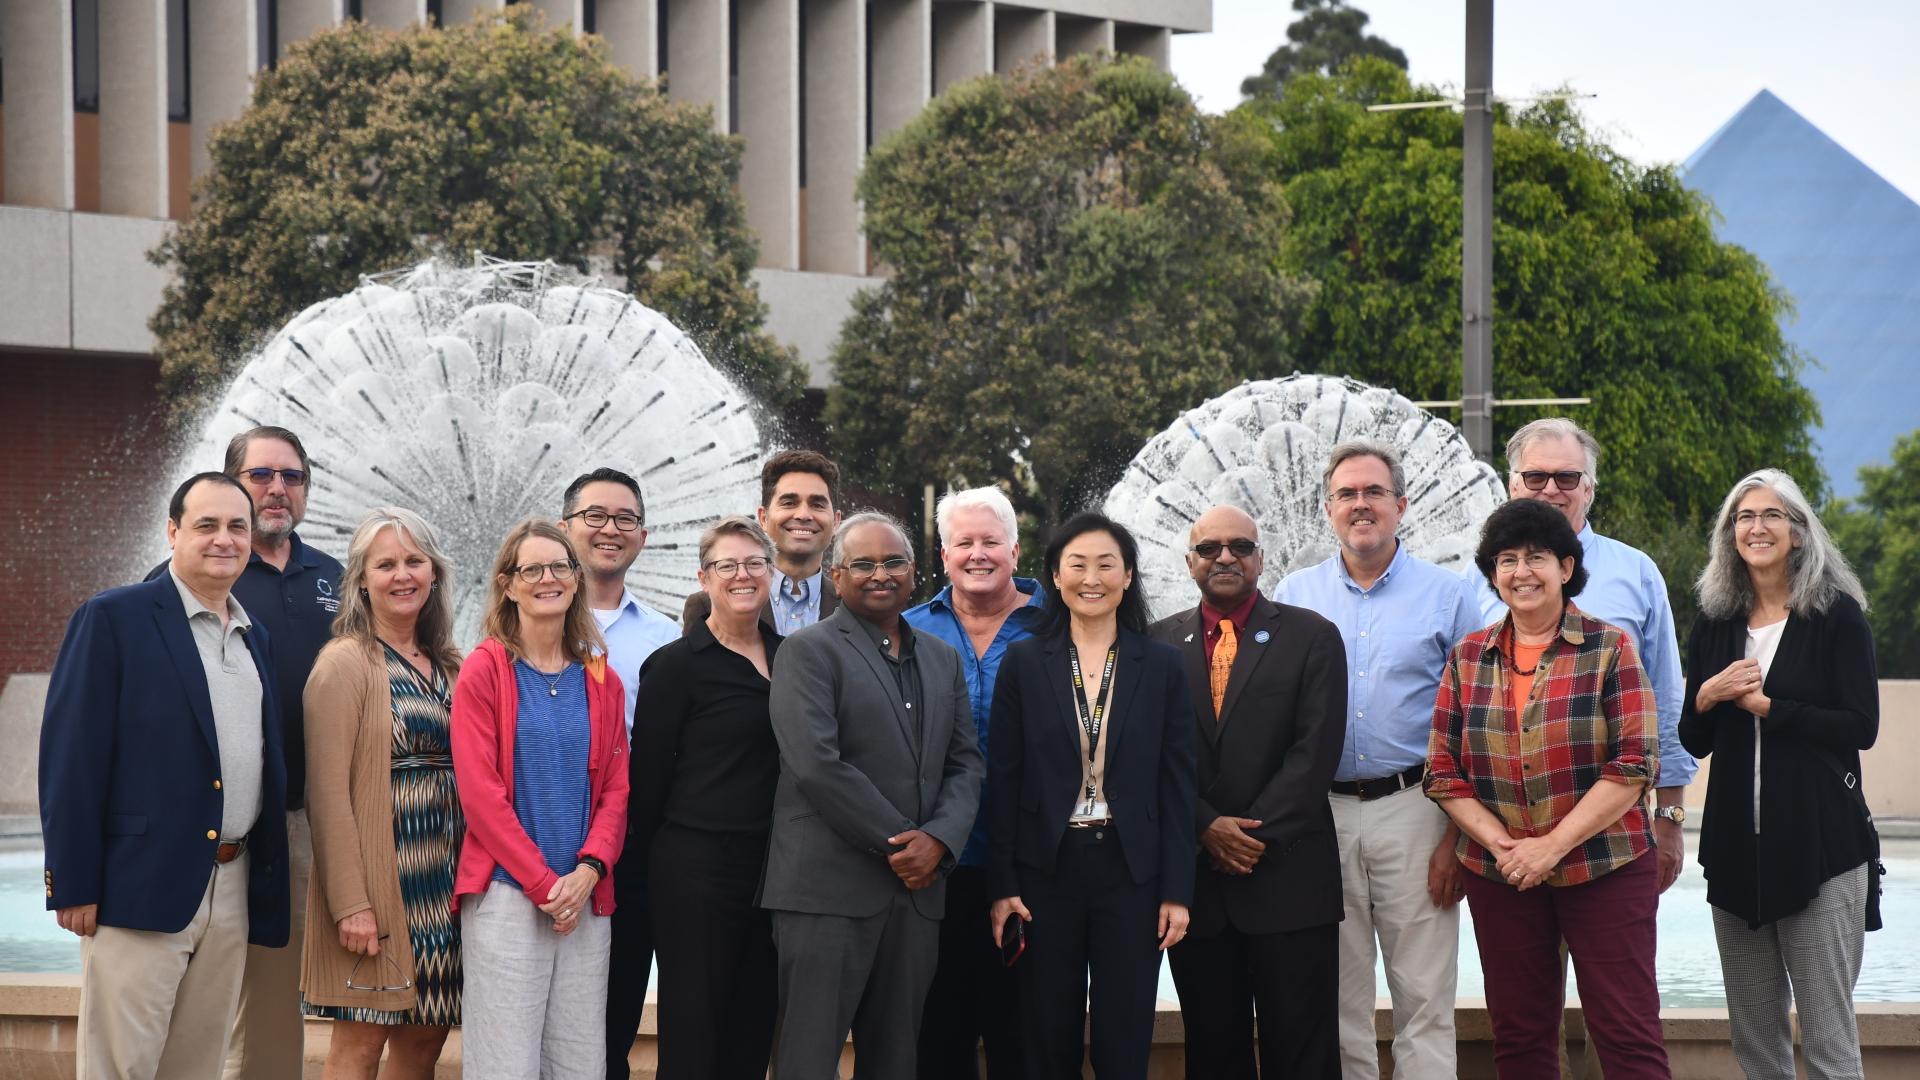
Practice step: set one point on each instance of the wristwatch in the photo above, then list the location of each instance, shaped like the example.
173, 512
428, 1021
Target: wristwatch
1675, 814
598, 866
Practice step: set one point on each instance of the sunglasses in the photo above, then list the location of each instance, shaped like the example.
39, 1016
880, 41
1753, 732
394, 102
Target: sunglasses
1565, 479
294, 477
1210, 549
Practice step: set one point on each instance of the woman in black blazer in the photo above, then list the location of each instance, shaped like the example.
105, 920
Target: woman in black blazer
1090, 789
1781, 690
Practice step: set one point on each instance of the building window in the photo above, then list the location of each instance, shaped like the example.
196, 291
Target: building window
266, 22
356, 11
589, 17
435, 15
179, 74
660, 10
86, 56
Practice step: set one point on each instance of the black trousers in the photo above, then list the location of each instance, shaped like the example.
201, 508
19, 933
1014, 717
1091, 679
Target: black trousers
1292, 979
972, 999
717, 968
1093, 947
629, 958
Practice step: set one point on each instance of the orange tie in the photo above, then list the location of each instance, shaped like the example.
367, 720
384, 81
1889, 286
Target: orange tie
1224, 651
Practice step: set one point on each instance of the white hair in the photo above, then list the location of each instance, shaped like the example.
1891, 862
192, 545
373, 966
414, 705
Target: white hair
1817, 571
1555, 427
980, 498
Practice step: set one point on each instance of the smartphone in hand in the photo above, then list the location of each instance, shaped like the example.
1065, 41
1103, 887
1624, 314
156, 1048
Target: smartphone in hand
1013, 939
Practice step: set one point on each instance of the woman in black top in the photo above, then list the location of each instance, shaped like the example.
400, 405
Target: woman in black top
1781, 690
704, 767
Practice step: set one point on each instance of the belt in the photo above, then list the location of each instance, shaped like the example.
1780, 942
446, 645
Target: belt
1090, 823
229, 850
1383, 787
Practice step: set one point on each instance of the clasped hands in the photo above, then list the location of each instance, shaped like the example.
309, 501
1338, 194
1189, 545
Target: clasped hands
1739, 682
569, 897
1229, 847
1526, 861
917, 863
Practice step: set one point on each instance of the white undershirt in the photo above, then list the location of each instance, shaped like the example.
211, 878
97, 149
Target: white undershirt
1762, 643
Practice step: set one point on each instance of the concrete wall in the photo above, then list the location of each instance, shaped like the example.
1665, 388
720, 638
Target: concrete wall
805, 310
78, 281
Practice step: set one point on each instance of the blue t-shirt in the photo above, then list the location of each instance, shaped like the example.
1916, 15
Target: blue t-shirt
552, 742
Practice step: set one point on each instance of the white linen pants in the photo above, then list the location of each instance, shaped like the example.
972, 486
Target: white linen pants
535, 1002
268, 1036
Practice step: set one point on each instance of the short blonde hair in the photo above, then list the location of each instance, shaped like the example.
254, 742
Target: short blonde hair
580, 639
734, 525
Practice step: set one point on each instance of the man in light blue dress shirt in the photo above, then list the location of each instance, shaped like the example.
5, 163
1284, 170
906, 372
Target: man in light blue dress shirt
1399, 616
798, 495
1554, 460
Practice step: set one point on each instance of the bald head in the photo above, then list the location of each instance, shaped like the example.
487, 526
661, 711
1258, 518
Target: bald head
1226, 577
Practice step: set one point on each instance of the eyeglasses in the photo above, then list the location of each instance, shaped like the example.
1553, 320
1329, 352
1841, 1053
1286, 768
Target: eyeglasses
293, 477
1372, 493
1565, 479
755, 566
1771, 518
1210, 549
388, 963
597, 519
867, 567
533, 572
1537, 561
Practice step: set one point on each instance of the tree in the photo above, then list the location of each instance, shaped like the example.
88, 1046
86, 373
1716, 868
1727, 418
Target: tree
1608, 282
1077, 254
365, 150
1326, 36
1880, 532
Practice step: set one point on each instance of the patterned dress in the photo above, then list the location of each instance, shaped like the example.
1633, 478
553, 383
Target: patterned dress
427, 827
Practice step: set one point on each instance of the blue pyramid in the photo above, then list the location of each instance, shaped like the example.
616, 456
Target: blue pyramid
1845, 245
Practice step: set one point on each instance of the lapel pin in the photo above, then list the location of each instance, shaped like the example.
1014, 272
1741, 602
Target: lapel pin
1189, 639
1261, 636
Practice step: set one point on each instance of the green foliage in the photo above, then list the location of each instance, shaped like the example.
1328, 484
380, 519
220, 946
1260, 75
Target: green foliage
1077, 256
365, 150
1880, 532
1326, 36
1608, 283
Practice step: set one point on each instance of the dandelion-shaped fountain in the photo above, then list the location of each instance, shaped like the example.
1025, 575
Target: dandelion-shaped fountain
474, 396
1262, 446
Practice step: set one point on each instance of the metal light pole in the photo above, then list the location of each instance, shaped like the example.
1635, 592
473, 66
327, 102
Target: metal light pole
1476, 236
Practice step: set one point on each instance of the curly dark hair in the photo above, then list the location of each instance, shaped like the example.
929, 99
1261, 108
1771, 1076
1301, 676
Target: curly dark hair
1531, 525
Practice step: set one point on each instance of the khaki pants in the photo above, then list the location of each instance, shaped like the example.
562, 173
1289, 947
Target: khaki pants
266, 1042
157, 1006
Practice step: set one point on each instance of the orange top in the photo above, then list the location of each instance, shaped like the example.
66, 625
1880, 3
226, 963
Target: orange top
1526, 664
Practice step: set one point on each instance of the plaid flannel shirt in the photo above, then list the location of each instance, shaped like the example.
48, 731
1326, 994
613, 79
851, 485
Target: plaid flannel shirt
1591, 718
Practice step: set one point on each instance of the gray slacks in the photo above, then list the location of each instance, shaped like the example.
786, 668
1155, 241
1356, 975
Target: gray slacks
866, 975
1810, 959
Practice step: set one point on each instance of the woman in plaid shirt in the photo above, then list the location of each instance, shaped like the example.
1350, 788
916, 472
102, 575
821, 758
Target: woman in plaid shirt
1544, 745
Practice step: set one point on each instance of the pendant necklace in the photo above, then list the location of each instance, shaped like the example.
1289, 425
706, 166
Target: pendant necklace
553, 684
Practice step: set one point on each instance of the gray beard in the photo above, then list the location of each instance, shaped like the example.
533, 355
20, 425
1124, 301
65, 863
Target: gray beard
275, 531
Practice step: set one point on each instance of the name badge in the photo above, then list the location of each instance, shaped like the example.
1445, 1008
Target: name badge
1090, 810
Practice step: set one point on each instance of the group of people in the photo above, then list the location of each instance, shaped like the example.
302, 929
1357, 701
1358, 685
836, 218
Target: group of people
272, 787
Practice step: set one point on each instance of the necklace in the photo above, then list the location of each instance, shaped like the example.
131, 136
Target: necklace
553, 681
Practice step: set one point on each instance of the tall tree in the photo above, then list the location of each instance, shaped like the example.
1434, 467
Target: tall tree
364, 150
1327, 34
1077, 254
1880, 532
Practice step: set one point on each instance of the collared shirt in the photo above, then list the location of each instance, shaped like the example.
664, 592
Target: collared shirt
938, 618
1625, 588
1590, 718
906, 670
233, 686
793, 611
633, 630
1210, 621
1398, 632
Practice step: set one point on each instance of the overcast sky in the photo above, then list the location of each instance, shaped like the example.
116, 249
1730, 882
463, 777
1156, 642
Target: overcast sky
1668, 72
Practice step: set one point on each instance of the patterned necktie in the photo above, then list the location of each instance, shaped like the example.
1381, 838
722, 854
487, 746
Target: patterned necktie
1224, 651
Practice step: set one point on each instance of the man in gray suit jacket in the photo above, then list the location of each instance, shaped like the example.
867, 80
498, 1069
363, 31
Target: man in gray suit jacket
880, 774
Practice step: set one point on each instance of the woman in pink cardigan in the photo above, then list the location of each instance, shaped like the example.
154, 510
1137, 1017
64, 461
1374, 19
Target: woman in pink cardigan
540, 756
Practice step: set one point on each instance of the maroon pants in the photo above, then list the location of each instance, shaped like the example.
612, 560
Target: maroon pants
1608, 925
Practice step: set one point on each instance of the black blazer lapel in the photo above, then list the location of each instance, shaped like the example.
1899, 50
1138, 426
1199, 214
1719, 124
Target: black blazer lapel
1193, 652
1260, 620
1126, 678
1059, 676
170, 618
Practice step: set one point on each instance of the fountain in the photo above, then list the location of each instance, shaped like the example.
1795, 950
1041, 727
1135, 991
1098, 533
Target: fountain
1262, 446
473, 396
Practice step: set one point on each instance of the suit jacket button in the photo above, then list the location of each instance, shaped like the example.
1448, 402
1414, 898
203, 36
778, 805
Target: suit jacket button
216, 785
213, 834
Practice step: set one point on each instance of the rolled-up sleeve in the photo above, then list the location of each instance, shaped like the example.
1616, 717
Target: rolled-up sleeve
1633, 747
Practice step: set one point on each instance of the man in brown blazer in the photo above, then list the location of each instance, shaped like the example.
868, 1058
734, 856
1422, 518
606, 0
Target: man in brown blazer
1269, 683
798, 494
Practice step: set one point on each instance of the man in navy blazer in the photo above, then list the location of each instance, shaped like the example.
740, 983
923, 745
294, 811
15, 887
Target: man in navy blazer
159, 749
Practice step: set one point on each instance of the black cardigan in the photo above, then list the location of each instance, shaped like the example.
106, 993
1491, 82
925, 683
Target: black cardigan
1825, 696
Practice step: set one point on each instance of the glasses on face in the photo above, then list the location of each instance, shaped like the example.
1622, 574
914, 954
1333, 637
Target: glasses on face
1537, 561
1210, 549
387, 963
1772, 519
532, 572
867, 567
1373, 493
1565, 479
597, 519
755, 566
292, 477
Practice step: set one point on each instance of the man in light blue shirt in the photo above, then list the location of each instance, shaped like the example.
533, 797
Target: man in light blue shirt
1555, 460
1399, 616
983, 609
798, 489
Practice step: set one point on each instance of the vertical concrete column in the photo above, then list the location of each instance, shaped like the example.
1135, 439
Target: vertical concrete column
301, 19
1073, 35
902, 61
768, 34
1153, 42
697, 48
632, 32
962, 41
393, 14
461, 12
36, 60
1021, 36
836, 143
223, 48
563, 13
133, 108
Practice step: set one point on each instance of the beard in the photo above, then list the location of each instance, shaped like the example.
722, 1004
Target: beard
273, 530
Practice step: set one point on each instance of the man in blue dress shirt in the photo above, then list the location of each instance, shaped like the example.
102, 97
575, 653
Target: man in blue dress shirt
983, 609
799, 490
1399, 616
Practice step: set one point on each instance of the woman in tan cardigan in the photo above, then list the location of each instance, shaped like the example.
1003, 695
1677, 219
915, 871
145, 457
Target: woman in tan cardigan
382, 953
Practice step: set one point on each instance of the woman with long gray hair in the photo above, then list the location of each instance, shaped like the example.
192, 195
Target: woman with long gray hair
1781, 690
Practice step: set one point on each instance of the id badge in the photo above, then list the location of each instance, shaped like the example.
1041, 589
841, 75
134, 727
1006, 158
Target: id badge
1090, 810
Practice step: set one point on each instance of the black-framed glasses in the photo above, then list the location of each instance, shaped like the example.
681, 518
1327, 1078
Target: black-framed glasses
867, 567
1565, 479
597, 519
387, 963
755, 566
531, 573
1210, 549
1373, 493
1769, 517
263, 476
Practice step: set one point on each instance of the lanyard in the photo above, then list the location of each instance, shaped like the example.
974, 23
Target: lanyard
1091, 716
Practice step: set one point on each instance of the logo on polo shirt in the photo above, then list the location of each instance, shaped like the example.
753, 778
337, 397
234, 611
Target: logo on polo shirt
325, 597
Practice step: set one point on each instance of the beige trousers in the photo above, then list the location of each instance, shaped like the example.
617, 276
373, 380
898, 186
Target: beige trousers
1384, 847
267, 1042
157, 1006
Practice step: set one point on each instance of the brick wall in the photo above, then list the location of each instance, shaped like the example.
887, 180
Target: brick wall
81, 457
